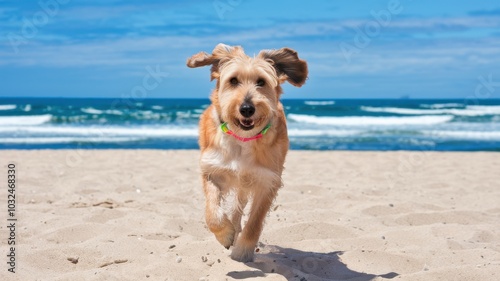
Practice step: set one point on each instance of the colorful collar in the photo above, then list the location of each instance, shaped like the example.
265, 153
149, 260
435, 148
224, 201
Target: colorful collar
224, 128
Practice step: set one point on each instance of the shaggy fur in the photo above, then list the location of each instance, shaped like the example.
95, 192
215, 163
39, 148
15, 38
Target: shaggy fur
234, 171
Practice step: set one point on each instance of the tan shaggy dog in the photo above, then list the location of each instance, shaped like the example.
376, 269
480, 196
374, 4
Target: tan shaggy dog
243, 139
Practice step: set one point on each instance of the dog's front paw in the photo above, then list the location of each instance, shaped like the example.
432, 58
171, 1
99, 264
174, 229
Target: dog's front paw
243, 252
226, 235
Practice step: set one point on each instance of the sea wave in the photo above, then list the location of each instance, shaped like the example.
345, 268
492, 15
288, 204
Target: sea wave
143, 132
442, 105
319, 133
25, 120
187, 115
370, 121
468, 111
319, 102
93, 111
156, 131
113, 111
486, 108
464, 135
7, 106
58, 140
90, 110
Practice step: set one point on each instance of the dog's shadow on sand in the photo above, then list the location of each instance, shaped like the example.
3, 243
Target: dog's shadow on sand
303, 266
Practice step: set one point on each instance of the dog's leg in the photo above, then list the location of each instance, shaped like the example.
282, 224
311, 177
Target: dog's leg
247, 240
217, 221
239, 206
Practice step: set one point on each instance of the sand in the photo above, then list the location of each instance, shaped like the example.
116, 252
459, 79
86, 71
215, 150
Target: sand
138, 215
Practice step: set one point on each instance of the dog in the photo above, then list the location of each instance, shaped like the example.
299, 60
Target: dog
243, 139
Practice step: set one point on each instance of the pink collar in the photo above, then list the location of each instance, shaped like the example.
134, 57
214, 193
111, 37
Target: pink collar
224, 128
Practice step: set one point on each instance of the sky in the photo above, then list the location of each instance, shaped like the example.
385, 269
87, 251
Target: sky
354, 49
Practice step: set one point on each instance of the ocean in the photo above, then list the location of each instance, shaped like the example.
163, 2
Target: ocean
334, 124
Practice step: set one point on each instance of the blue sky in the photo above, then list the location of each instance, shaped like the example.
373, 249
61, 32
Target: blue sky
421, 49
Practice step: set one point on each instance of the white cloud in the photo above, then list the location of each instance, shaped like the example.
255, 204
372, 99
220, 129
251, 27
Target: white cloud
318, 41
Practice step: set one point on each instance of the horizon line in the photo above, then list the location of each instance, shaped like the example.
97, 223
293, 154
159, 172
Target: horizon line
207, 98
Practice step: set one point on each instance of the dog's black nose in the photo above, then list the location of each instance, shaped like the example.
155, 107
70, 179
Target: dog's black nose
247, 109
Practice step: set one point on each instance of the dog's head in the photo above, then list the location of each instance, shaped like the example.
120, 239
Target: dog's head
248, 89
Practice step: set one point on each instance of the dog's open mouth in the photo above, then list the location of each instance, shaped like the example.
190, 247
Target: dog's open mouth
247, 124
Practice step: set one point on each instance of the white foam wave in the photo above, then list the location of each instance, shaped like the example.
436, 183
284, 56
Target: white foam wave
442, 105
157, 107
24, 120
320, 102
144, 113
90, 110
54, 140
93, 111
370, 121
464, 135
27, 108
469, 111
187, 114
7, 106
113, 111
398, 110
319, 133
143, 132
100, 131
493, 109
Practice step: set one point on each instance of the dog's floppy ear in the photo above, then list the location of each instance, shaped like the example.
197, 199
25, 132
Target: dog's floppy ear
287, 64
220, 54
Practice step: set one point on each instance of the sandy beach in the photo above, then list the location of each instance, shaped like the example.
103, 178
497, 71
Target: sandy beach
138, 215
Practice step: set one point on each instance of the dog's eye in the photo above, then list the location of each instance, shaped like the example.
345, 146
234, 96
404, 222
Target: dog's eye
260, 82
234, 81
